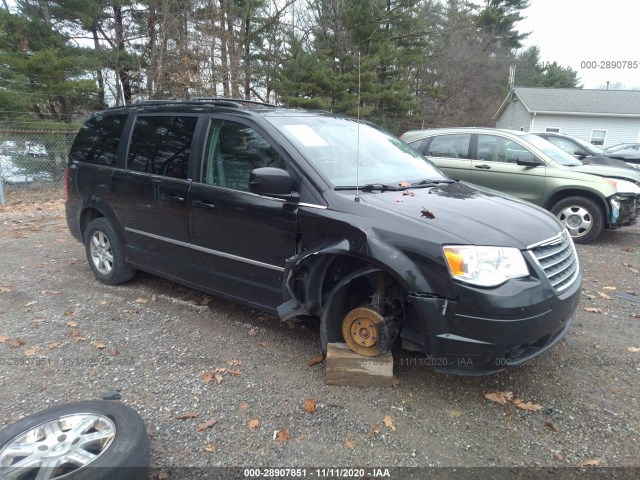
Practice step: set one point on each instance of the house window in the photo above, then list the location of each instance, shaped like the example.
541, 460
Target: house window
598, 136
552, 130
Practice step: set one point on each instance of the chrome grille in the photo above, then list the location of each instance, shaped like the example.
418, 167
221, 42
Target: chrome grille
558, 259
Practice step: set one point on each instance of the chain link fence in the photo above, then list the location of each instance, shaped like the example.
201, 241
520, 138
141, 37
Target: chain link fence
32, 165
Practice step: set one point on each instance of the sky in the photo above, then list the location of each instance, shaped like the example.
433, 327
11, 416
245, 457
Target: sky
572, 32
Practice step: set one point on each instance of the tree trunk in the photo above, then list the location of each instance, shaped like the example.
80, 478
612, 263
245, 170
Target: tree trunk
100, 78
123, 73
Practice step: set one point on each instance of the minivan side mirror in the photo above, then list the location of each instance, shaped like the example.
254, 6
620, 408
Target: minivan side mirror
530, 162
272, 182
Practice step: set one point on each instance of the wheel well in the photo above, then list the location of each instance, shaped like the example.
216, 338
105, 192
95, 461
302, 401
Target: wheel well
87, 216
602, 204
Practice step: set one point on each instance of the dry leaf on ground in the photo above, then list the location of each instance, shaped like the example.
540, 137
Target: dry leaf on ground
634, 349
30, 304
388, 422
315, 360
218, 379
209, 448
141, 300
552, 426
310, 405
206, 425
253, 332
604, 295
610, 288
207, 377
591, 462
72, 323
4, 338
282, 435
234, 372
187, 416
593, 310
530, 406
349, 444
112, 352
53, 345
30, 352
253, 423
499, 397
243, 406
15, 342
234, 362
98, 345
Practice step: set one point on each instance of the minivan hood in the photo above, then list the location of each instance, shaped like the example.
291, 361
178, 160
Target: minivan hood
471, 214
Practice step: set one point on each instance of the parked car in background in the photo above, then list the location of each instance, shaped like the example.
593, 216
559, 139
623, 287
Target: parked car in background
33, 149
11, 174
590, 153
303, 213
8, 147
585, 198
623, 146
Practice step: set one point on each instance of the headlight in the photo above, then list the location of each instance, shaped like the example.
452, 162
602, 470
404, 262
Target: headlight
485, 266
624, 186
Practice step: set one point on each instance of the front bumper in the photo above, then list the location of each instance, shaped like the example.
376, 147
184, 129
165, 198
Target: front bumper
487, 330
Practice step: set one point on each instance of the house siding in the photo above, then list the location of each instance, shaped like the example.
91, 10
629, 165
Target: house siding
619, 130
515, 117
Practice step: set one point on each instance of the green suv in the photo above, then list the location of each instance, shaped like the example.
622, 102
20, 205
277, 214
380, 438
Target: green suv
585, 198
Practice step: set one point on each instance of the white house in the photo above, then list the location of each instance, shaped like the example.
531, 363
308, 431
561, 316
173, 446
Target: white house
603, 117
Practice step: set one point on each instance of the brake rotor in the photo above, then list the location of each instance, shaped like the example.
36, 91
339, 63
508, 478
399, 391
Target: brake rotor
360, 332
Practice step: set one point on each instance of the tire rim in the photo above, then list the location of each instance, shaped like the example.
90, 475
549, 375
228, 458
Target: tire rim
577, 219
101, 252
54, 449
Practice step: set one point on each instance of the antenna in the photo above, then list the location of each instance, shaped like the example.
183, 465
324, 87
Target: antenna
357, 199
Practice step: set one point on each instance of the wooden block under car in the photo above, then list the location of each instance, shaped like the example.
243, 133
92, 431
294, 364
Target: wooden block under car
345, 367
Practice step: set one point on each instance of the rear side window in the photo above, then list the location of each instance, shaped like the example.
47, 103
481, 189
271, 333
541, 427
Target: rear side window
450, 146
98, 140
162, 145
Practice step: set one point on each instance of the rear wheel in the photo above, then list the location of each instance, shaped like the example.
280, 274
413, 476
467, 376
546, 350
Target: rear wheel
582, 217
106, 253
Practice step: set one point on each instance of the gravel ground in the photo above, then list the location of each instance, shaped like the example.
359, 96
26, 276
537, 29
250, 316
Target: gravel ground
159, 344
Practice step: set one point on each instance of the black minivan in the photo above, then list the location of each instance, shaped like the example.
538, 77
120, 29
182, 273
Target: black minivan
306, 213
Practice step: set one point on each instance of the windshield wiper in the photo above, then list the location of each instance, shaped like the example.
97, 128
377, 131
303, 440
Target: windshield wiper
369, 187
429, 182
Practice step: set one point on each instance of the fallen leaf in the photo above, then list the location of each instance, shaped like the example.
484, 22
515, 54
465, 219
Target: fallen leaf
604, 295
634, 270
310, 405
591, 462
634, 349
187, 416
375, 430
104, 302
244, 406
38, 321
220, 370
315, 360
253, 423
558, 456
427, 213
98, 345
53, 345
234, 362
68, 313
154, 298
218, 379
388, 422
253, 332
283, 435
263, 318
209, 448
592, 310
30, 303
141, 300
404, 184
530, 406
15, 342
79, 339
112, 352
206, 425
75, 333
130, 310
408, 193
30, 352
71, 323
499, 397
4, 338
264, 344
233, 372
207, 377
349, 444
552, 426
5, 288
610, 288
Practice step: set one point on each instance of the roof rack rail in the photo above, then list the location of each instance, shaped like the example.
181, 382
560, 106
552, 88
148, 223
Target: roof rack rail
230, 102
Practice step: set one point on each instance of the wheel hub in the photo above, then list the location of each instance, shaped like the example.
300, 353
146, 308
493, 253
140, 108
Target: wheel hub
360, 331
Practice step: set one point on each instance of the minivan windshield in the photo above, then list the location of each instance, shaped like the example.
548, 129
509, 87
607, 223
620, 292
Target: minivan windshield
331, 145
548, 148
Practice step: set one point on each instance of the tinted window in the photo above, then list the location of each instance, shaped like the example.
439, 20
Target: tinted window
161, 145
450, 146
98, 140
233, 151
498, 149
